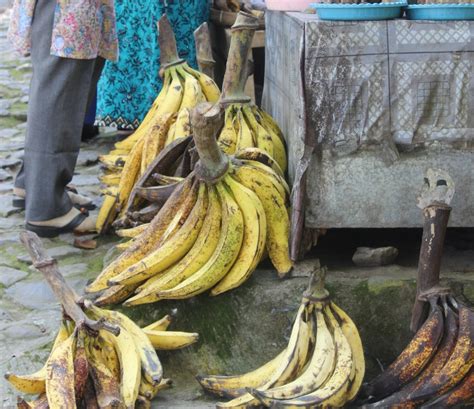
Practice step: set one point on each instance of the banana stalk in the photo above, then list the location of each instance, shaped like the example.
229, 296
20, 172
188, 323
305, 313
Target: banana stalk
236, 72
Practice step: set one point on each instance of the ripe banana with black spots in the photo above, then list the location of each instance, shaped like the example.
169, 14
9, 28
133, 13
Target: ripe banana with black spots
322, 366
167, 120
36, 382
214, 235
446, 380
245, 127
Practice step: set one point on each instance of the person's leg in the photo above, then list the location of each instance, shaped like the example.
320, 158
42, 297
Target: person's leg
58, 99
89, 130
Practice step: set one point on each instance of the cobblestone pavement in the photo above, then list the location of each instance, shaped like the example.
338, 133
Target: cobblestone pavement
28, 315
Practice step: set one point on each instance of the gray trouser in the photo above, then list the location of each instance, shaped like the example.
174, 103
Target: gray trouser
60, 91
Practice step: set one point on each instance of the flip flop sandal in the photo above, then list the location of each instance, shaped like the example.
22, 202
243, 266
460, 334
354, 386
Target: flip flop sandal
19, 202
48, 231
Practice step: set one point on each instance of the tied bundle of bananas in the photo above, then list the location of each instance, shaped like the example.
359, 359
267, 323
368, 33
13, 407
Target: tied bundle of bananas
246, 125
87, 369
322, 366
213, 230
166, 121
100, 358
436, 368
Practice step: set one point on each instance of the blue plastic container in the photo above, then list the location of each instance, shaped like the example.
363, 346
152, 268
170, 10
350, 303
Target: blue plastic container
357, 12
440, 12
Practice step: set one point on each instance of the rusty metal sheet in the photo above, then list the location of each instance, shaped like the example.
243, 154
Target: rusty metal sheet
366, 107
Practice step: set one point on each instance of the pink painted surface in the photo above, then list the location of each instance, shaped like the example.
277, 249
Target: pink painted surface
288, 5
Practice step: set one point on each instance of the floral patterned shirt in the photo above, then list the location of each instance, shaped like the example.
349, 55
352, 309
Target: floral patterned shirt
83, 29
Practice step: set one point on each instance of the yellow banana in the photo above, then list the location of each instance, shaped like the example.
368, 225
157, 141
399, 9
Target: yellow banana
278, 223
35, 382
129, 142
130, 365
106, 384
320, 367
113, 161
112, 179
123, 152
170, 134
253, 244
161, 325
107, 213
197, 257
109, 356
149, 391
293, 360
352, 334
332, 393
278, 181
123, 246
183, 124
150, 364
228, 137
155, 140
115, 294
279, 149
133, 231
130, 173
60, 375
171, 339
235, 385
171, 250
246, 138
221, 261
208, 86
192, 90
258, 155
263, 138
145, 241
174, 95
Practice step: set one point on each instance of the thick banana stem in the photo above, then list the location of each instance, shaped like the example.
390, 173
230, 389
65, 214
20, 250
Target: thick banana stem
205, 60
63, 292
316, 290
236, 72
436, 217
167, 42
207, 121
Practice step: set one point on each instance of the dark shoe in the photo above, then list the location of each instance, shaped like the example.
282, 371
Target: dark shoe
47, 231
88, 132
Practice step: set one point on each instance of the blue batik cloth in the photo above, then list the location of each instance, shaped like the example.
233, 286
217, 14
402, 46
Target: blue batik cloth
128, 87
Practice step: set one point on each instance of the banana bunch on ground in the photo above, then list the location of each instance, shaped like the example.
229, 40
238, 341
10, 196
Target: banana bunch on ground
100, 358
101, 370
436, 369
212, 231
166, 121
322, 366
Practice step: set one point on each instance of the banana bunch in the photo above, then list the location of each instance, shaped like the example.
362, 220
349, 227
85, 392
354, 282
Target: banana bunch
166, 121
100, 370
212, 231
322, 366
246, 126
436, 369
